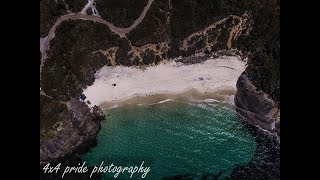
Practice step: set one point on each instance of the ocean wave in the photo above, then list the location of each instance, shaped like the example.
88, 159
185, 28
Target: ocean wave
160, 102
167, 100
110, 107
211, 100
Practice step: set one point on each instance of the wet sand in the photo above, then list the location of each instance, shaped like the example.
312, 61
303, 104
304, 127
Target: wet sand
225, 94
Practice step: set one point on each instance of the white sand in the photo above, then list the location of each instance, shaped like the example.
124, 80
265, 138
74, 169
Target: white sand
170, 78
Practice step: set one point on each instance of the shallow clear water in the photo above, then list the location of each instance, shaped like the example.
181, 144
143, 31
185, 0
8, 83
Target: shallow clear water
173, 138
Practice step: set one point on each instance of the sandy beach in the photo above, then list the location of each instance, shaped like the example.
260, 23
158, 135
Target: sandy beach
214, 78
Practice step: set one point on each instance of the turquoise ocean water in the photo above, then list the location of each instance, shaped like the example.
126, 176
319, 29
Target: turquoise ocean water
173, 138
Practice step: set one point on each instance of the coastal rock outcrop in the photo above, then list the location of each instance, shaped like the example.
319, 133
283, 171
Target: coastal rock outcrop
82, 127
256, 106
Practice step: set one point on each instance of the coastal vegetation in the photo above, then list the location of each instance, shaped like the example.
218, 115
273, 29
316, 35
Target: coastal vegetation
121, 13
264, 45
154, 28
75, 5
74, 57
50, 11
52, 113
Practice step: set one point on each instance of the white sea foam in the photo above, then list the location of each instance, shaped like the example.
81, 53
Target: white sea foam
211, 100
167, 100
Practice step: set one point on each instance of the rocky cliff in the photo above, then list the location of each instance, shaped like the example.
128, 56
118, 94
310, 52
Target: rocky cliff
257, 106
82, 125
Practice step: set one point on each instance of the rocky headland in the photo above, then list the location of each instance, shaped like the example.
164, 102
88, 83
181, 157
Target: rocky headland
257, 106
82, 125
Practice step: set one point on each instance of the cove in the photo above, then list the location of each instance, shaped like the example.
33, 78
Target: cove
173, 138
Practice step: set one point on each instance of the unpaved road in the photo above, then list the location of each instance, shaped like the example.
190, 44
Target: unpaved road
120, 31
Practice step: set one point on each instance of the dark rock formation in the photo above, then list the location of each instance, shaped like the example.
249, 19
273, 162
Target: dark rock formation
194, 176
256, 106
83, 125
265, 164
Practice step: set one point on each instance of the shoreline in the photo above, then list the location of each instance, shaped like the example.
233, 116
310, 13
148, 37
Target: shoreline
219, 95
214, 78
